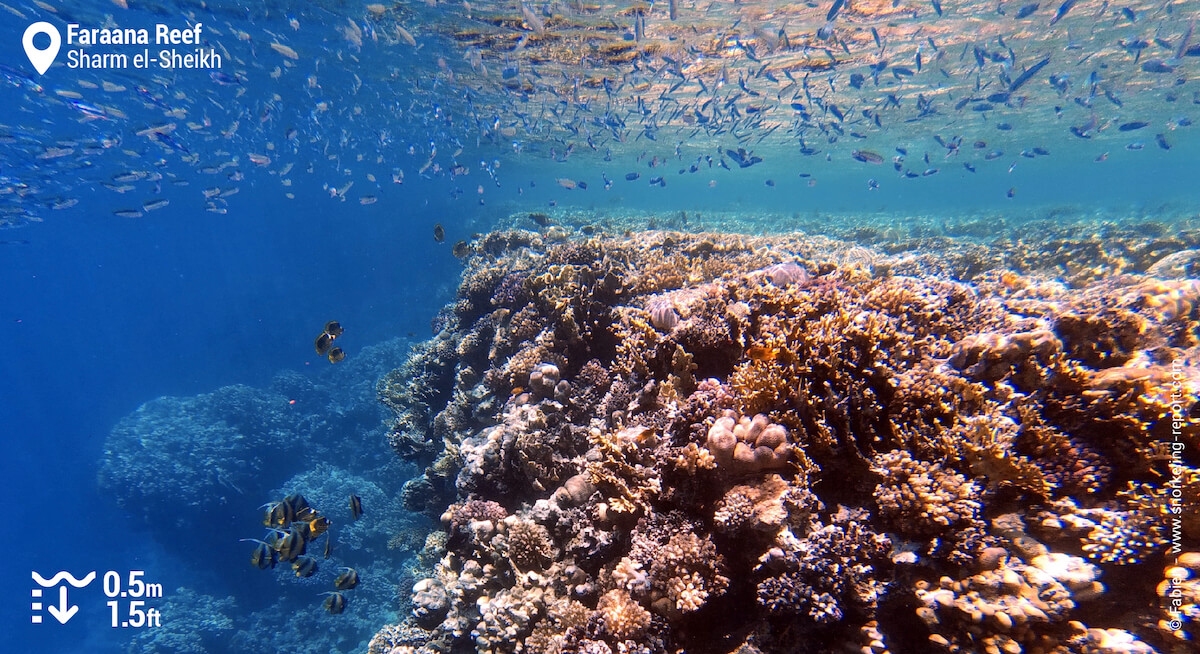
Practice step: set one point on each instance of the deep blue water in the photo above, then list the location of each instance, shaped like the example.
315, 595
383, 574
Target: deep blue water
100, 317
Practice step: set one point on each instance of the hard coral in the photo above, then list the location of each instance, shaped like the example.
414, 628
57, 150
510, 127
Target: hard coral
529, 544
623, 618
921, 498
834, 570
653, 406
1003, 608
748, 445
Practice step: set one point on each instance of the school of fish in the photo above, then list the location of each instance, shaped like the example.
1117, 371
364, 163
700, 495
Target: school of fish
359, 98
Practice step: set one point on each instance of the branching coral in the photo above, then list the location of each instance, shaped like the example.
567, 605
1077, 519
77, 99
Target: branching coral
922, 498
833, 570
623, 618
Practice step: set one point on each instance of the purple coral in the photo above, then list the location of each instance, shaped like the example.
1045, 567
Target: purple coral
474, 511
787, 273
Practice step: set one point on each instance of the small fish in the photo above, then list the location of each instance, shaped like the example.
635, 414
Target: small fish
1157, 66
336, 355
297, 502
937, 6
531, 19
566, 183
151, 205
224, 79
1062, 11
1027, 10
263, 556
347, 580
322, 345
127, 213
1029, 73
1012, 191
131, 176
328, 547
307, 514
276, 515
290, 545
356, 509
833, 11
317, 526
867, 156
439, 233
629, 177
1162, 141
285, 50
406, 36
335, 603
1184, 50
1134, 125
305, 566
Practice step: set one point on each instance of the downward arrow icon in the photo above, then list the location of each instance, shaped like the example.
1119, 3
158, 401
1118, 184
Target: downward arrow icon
63, 611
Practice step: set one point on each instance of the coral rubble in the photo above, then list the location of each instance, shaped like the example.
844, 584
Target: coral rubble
661, 442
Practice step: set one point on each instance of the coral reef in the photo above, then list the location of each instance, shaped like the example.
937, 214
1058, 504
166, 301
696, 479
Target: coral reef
203, 456
186, 464
659, 441
191, 623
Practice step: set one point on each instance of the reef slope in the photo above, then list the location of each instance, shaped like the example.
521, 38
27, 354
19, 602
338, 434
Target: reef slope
661, 441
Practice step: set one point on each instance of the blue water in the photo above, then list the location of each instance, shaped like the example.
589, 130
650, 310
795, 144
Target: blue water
99, 318
100, 313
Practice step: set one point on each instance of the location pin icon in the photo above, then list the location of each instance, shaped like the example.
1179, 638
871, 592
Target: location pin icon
41, 59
